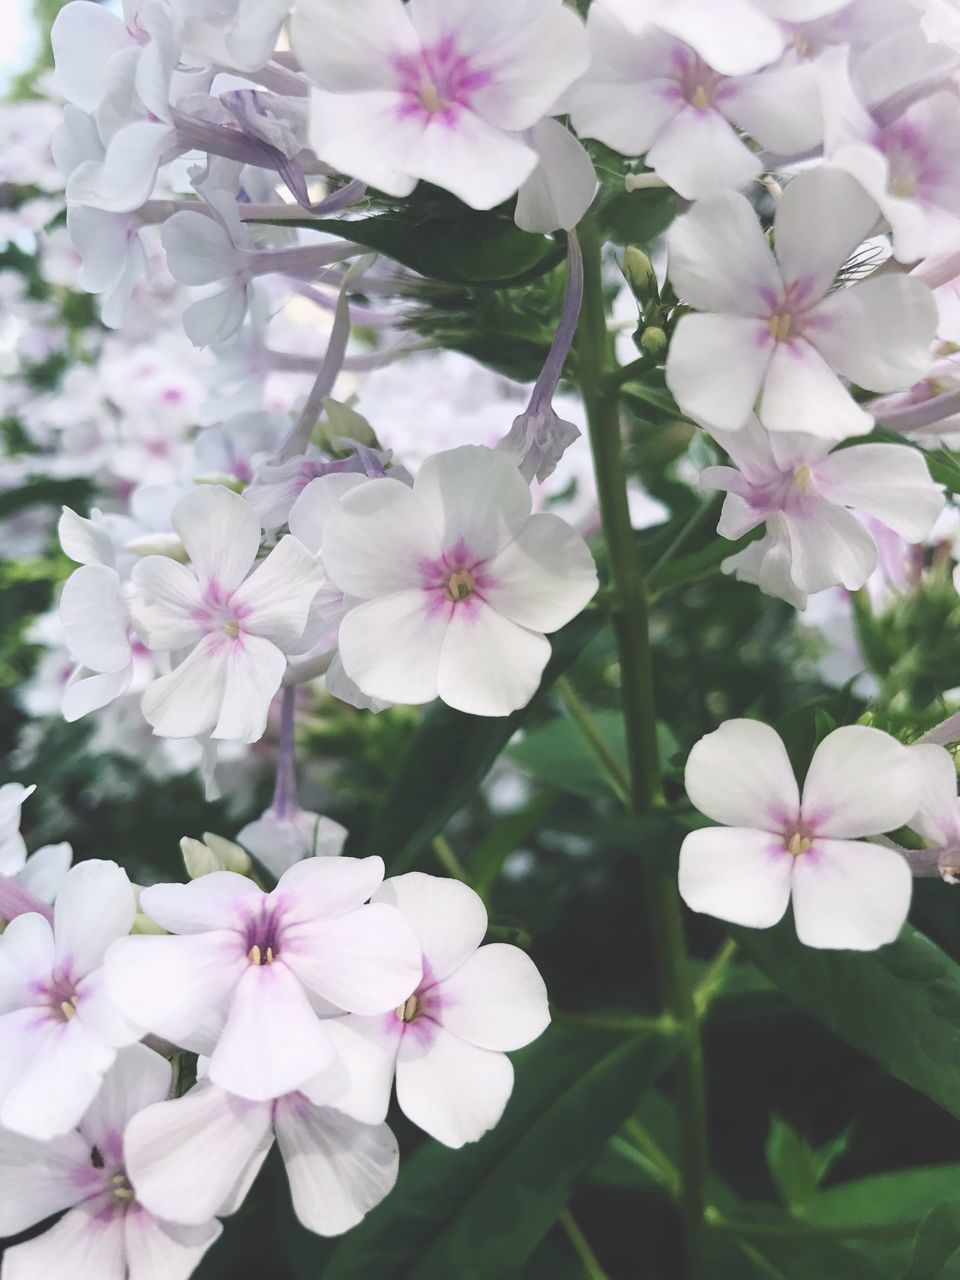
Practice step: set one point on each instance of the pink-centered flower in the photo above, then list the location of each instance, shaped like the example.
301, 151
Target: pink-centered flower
59, 1029
236, 625
439, 90
778, 844
447, 1041
459, 583
247, 973
810, 498
106, 1234
197, 1156
773, 332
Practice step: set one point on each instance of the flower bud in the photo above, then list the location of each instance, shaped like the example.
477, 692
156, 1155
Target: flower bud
639, 274
213, 853
653, 341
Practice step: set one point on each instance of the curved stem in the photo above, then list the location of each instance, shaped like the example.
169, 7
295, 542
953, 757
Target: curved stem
631, 625
581, 1246
613, 770
800, 1230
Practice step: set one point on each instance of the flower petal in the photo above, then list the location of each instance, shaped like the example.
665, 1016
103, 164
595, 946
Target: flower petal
275, 600
478, 162
164, 1250
254, 671
448, 918
312, 508
376, 540
366, 1060
543, 577
476, 497
496, 999
390, 648
741, 775
850, 895
720, 260
736, 874
66, 1067
938, 814
829, 547
699, 154
85, 1245
861, 782
187, 702
138, 1078
94, 616
95, 906
452, 1090
220, 900
221, 535
38, 1179
822, 216
489, 666
167, 604
802, 393
325, 886
26, 959
890, 482
716, 366
338, 1170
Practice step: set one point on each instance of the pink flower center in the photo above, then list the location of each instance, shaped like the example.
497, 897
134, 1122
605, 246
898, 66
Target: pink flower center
437, 82
700, 86
787, 314
798, 840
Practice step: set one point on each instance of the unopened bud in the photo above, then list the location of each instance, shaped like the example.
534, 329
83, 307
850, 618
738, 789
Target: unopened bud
213, 853
143, 924
653, 341
340, 421
234, 857
639, 274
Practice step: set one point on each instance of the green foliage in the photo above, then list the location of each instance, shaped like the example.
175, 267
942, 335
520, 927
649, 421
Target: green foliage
937, 1245
796, 1167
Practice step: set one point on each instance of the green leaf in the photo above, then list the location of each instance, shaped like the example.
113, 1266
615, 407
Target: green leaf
899, 1005
45, 492
903, 1196
503, 839
788, 1259
937, 1244
477, 1213
461, 247
793, 1165
450, 755
698, 564
637, 217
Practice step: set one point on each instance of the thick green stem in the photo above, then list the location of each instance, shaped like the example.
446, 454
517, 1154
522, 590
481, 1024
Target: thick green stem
596, 370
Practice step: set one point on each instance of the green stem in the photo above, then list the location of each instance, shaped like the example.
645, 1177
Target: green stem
713, 977
614, 772
643, 1146
448, 858
800, 1230
629, 1024
631, 626
581, 1246
617, 377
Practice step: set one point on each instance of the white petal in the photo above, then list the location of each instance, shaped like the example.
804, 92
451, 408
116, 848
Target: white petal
98, 1015
138, 1078
780, 107
95, 624
84, 694
125, 178
325, 886
822, 217
162, 1250
45, 869
741, 775
365, 961
221, 900
452, 1090
736, 874
377, 538
187, 702
489, 666
185, 1157
216, 319
172, 984
699, 154
938, 814
802, 393
878, 333
734, 39
309, 514
94, 907
366, 136
38, 1179
861, 782
86, 541
255, 670
167, 604
351, 50
542, 578
83, 38
561, 188
278, 843
850, 895
366, 1059
221, 535
829, 548
887, 481
26, 959
448, 918
65, 1070
272, 1041
199, 249
275, 600
716, 366
720, 259
476, 497
496, 999
84, 1245
390, 648
338, 1169
477, 161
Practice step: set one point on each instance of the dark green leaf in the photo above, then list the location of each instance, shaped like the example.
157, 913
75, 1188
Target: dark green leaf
903, 1196
937, 1244
637, 217
900, 1005
788, 1259
450, 755
476, 1213
44, 492
503, 839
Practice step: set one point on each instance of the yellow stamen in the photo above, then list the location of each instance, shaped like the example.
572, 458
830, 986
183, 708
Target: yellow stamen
781, 327
430, 99
232, 628
407, 1011
269, 956
801, 45
798, 844
253, 955
904, 187
69, 1008
803, 479
460, 585
700, 99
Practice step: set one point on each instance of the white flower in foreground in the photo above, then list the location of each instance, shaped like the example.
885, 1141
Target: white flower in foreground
107, 1234
807, 496
736, 36
937, 818
775, 844
652, 95
772, 331
446, 1041
59, 1030
438, 92
43, 871
236, 624
459, 581
245, 977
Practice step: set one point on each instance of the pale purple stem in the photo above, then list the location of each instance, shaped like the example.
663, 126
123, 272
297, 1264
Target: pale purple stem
17, 901
363, 316
285, 791
302, 260
545, 387
299, 436
276, 78
938, 271
945, 732
927, 864
915, 417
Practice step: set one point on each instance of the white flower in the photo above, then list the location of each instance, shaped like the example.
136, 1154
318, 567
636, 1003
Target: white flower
236, 624
441, 92
562, 186
652, 95
446, 1041
772, 329
245, 975
807, 496
197, 1156
279, 840
59, 1030
107, 1233
43, 871
937, 818
775, 844
459, 583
